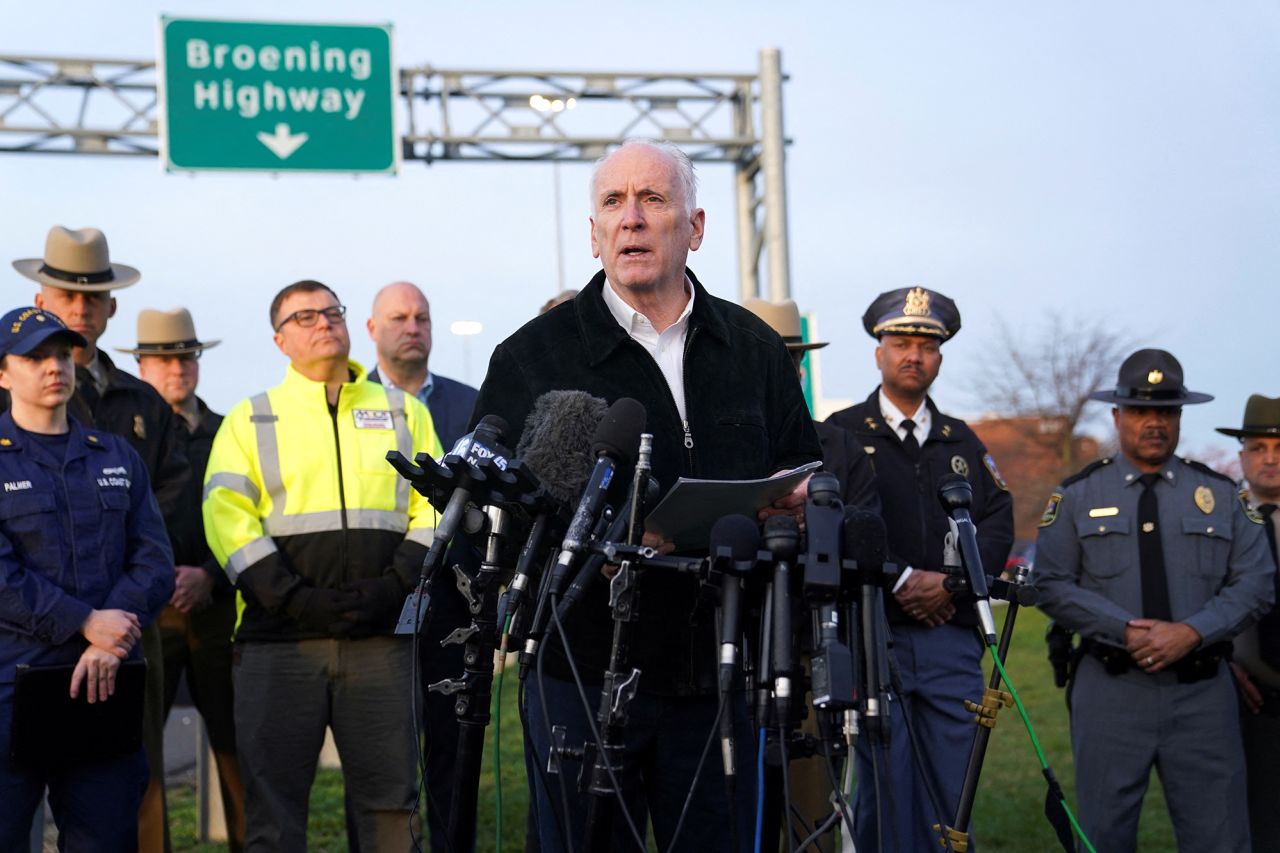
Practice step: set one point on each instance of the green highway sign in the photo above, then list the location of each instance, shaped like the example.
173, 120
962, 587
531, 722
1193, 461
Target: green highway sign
277, 97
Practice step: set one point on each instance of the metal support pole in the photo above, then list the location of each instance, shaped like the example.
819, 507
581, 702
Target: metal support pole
748, 256
773, 163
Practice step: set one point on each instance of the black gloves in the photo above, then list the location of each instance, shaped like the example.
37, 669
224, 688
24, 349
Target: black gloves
323, 610
377, 604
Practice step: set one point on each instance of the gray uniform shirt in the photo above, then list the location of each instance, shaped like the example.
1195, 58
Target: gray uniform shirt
1246, 651
1216, 557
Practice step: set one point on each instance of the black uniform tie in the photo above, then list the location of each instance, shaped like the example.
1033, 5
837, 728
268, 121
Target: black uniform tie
1155, 581
1269, 624
85, 401
909, 440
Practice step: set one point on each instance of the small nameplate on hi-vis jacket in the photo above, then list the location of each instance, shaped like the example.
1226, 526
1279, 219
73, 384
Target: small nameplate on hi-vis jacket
373, 419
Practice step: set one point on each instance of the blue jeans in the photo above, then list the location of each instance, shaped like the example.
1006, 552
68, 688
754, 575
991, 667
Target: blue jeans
664, 740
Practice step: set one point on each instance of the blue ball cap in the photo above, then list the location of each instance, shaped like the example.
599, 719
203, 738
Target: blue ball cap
24, 329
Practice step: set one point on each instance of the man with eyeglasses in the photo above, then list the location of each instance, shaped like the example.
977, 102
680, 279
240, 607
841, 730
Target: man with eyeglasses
323, 541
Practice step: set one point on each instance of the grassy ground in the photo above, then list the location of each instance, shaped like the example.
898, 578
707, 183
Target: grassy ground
1008, 816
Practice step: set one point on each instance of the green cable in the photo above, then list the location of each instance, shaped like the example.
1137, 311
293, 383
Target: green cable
1035, 742
497, 736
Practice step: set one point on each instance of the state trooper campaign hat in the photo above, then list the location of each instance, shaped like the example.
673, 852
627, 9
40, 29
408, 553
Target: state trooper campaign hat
1150, 377
912, 311
77, 260
784, 318
1261, 418
167, 333
24, 329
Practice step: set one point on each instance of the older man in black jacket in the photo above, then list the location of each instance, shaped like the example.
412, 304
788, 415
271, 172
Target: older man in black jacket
723, 402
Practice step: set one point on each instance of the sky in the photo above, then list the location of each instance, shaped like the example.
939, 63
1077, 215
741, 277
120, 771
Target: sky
1118, 164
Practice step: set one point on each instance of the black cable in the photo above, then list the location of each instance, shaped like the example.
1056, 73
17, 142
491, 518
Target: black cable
822, 828
417, 688
799, 819
842, 805
688, 798
786, 785
565, 834
522, 707
922, 766
595, 732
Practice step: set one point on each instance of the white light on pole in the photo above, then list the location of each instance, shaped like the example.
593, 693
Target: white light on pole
466, 329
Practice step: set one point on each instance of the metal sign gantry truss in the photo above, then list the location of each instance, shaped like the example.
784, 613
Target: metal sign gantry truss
64, 105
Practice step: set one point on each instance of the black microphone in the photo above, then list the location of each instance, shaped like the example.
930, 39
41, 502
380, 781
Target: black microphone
555, 445
735, 543
481, 443
589, 572
782, 540
823, 515
955, 493
459, 472
867, 541
618, 432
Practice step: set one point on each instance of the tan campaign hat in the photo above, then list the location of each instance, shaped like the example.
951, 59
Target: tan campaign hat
167, 333
784, 318
77, 260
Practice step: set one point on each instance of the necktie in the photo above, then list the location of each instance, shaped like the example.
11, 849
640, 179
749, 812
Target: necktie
85, 400
1269, 624
1155, 582
909, 440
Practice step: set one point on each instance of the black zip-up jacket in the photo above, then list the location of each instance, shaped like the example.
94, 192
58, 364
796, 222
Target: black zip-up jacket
908, 488
746, 418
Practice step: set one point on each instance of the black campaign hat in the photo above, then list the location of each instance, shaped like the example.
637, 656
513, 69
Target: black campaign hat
1150, 377
912, 311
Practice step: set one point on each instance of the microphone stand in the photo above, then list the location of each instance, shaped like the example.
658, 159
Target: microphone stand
993, 699
620, 680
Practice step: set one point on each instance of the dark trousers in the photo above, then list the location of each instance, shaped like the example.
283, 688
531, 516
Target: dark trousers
153, 814
95, 805
664, 740
1262, 758
940, 667
286, 695
199, 646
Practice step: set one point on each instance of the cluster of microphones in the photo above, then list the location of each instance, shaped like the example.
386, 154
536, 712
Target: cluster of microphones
574, 494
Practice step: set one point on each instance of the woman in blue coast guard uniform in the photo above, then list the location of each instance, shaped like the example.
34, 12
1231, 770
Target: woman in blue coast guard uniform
84, 564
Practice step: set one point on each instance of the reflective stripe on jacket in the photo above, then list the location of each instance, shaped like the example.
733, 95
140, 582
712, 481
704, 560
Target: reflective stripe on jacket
300, 493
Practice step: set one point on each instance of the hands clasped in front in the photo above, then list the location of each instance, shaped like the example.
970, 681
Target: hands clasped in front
112, 634
1155, 645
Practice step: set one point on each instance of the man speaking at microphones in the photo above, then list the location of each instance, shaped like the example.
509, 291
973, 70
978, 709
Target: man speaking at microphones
722, 401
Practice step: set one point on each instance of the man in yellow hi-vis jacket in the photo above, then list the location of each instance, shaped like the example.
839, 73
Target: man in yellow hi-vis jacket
323, 540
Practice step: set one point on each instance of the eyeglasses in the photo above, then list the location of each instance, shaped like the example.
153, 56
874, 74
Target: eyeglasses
307, 317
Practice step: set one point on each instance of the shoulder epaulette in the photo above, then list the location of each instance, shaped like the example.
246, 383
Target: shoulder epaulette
1086, 471
1205, 469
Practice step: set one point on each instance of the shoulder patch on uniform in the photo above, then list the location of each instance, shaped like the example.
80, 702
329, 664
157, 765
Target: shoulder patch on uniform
1205, 469
994, 471
1086, 471
1050, 514
1249, 512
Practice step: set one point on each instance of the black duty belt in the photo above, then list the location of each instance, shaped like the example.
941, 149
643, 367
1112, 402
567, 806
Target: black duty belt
1198, 665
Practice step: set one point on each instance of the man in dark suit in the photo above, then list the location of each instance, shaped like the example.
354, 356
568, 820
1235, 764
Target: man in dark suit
400, 327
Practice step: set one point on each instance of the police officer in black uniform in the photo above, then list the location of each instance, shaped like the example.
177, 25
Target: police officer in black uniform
912, 445
76, 278
1157, 562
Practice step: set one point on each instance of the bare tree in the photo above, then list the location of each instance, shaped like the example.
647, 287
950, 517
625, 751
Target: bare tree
1045, 376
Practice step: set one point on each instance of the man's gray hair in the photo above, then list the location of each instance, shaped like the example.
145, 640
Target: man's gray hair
684, 169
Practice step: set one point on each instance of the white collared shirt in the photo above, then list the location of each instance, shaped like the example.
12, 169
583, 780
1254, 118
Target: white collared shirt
894, 417
667, 347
